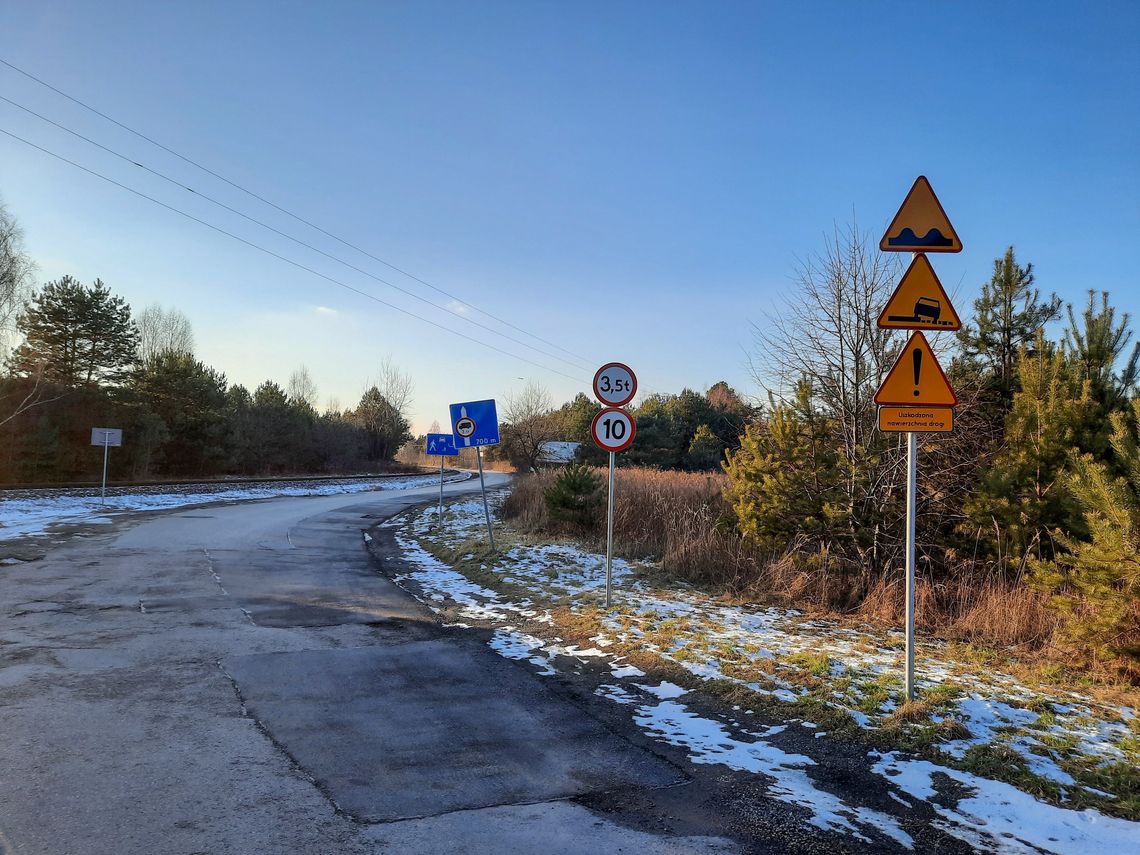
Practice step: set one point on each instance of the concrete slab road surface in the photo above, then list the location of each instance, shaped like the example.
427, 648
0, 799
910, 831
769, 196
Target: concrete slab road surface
241, 679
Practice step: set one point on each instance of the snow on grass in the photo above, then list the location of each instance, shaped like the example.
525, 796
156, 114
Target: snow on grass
26, 512
708, 741
998, 817
778, 653
983, 716
438, 580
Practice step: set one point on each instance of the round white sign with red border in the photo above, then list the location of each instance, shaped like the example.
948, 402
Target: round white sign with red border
615, 384
613, 429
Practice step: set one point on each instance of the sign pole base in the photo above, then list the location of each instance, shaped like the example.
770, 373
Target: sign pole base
610, 535
103, 491
486, 507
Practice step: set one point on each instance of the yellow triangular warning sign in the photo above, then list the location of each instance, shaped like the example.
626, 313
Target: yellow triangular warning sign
919, 302
917, 378
921, 225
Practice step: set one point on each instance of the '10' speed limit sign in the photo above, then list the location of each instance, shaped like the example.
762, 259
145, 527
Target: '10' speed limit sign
613, 429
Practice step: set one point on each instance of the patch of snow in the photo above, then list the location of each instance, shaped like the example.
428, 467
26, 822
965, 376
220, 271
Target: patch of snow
24, 513
665, 691
622, 671
982, 717
1000, 818
518, 645
615, 693
708, 742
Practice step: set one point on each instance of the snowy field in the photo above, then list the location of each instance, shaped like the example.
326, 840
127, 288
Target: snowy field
1060, 741
27, 512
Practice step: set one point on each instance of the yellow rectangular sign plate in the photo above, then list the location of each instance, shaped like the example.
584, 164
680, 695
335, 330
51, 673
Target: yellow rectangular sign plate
916, 419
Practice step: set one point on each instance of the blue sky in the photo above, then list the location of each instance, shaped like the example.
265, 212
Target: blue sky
630, 181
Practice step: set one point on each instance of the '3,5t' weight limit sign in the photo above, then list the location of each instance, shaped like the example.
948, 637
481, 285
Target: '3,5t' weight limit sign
615, 384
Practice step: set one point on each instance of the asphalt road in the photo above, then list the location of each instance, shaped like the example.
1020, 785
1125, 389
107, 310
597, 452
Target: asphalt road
241, 679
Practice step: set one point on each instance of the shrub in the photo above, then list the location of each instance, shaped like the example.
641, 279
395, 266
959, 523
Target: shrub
574, 500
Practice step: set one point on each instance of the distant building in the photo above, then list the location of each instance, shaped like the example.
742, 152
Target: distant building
554, 453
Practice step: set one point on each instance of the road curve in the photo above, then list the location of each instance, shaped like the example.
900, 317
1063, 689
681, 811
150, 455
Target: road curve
240, 679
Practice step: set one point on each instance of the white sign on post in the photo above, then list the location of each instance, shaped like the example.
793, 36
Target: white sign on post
613, 429
106, 437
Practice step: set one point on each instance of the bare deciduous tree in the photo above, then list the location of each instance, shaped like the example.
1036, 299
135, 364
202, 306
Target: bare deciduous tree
528, 423
395, 385
827, 333
16, 269
162, 330
301, 388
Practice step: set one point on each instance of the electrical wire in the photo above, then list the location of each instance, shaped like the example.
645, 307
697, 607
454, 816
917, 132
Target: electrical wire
285, 259
286, 235
285, 211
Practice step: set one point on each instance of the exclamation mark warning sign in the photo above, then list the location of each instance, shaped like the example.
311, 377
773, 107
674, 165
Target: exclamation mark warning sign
917, 378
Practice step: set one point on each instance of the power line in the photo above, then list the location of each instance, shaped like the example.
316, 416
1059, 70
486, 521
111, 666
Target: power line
285, 211
286, 235
285, 259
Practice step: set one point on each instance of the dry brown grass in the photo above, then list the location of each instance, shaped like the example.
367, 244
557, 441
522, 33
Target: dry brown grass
682, 520
966, 610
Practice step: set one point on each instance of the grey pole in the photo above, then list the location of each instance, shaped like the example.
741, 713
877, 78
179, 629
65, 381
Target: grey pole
106, 446
610, 534
486, 508
911, 490
439, 519
911, 493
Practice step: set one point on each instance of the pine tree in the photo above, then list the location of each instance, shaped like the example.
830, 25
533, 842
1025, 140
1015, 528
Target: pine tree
1007, 316
1026, 495
1097, 342
785, 481
705, 451
190, 399
385, 425
1096, 583
574, 500
78, 335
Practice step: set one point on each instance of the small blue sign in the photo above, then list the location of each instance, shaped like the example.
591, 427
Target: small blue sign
442, 444
475, 423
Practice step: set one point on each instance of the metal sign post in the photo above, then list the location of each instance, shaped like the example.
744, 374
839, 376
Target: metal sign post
476, 423
442, 444
912, 399
613, 429
106, 437
610, 535
911, 506
486, 507
103, 488
439, 516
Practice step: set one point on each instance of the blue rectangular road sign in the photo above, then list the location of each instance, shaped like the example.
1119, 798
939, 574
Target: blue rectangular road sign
442, 444
475, 423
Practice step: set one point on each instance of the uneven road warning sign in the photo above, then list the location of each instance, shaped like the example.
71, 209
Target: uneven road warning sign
921, 225
916, 419
916, 379
920, 302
